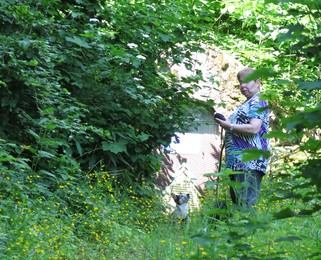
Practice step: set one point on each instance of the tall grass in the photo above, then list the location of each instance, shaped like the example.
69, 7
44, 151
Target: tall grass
99, 218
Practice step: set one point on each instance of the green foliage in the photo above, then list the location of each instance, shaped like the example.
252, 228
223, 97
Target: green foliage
87, 83
305, 123
99, 219
95, 212
281, 39
86, 86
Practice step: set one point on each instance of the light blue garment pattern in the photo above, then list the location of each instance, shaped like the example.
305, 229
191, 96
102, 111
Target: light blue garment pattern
235, 143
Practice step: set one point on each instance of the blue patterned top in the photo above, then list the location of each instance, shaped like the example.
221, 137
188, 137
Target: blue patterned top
235, 142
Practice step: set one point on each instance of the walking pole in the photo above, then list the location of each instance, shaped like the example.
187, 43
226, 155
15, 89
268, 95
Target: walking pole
220, 116
220, 159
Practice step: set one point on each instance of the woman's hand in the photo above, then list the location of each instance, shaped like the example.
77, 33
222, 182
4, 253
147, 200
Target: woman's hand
224, 123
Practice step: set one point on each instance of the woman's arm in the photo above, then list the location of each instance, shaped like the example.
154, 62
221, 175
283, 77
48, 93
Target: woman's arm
253, 127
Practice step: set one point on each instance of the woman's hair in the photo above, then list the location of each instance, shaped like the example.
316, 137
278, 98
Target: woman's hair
244, 73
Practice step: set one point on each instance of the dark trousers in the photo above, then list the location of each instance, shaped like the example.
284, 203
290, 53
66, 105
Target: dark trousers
246, 194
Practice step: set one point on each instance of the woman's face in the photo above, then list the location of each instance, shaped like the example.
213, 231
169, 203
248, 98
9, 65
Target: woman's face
250, 88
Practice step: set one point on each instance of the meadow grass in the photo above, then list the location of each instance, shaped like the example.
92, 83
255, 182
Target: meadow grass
102, 219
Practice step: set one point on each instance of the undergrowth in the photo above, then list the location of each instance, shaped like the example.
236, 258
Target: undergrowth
99, 217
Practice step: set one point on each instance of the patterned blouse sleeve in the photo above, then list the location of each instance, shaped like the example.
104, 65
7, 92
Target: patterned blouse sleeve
257, 109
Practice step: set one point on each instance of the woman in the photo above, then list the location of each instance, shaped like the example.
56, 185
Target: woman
245, 129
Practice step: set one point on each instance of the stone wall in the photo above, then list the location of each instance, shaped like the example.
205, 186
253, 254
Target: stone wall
219, 70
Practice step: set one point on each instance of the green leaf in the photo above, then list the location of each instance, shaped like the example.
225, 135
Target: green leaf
46, 154
77, 40
34, 134
215, 174
284, 213
305, 85
7, 158
32, 63
224, 183
275, 134
2, 83
79, 149
51, 126
164, 37
210, 184
143, 137
203, 239
114, 147
254, 154
311, 170
261, 74
288, 239
47, 173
